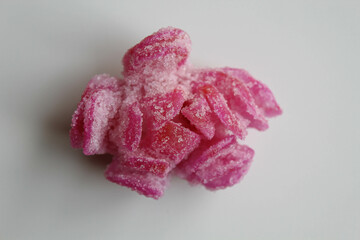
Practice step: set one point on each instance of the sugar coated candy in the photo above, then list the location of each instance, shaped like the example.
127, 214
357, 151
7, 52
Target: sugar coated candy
163, 118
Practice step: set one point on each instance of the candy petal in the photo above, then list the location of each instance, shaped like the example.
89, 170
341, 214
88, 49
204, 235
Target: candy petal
172, 142
200, 115
221, 109
217, 164
146, 184
238, 96
146, 164
263, 96
206, 151
163, 108
98, 82
126, 133
164, 51
99, 109
227, 168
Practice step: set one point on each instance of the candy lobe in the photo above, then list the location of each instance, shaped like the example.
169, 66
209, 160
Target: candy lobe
207, 150
165, 50
140, 161
128, 129
158, 167
200, 115
263, 96
99, 82
146, 184
99, 109
163, 108
218, 164
173, 142
132, 134
237, 95
227, 169
221, 109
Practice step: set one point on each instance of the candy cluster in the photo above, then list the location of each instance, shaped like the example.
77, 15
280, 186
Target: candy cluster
165, 117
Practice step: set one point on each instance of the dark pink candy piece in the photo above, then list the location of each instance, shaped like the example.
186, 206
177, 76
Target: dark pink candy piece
163, 108
144, 183
238, 96
128, 128
200, 115
222, 110
146, 164
206, 150
217, 164
132, 134
165, 50
263, 96
227, 168
172, 142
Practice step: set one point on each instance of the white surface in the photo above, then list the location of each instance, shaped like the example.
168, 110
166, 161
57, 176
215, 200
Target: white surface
304, 182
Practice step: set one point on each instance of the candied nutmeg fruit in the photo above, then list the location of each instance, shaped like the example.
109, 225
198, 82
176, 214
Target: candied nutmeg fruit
164, 117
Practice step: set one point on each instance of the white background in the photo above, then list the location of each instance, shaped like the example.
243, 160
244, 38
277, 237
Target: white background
304, 182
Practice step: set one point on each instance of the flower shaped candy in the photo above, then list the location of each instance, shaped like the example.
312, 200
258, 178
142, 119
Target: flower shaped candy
165, 117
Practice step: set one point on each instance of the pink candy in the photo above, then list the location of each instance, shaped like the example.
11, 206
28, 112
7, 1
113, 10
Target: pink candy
165, 117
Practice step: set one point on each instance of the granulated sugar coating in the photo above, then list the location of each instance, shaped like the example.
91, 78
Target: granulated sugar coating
164, 117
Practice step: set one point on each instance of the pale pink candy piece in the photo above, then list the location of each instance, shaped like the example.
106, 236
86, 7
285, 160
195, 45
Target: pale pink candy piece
172, 142
200, 115
146, 164
144, 183
128, 129
98, 82
263, 96
163, 108
99, 109
220, 165
105, 82
238, 96
164, 51
221, 109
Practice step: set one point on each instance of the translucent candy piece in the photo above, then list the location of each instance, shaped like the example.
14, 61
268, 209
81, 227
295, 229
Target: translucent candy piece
172, 142
263, 96
146, 184
221, 109
239, 97
166, 50
163, 108
200, 115
128, 128
98, 82
221, 165
142, 163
